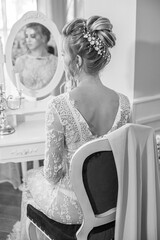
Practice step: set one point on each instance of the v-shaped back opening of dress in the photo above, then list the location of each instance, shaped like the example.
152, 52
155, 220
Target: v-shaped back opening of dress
83, 118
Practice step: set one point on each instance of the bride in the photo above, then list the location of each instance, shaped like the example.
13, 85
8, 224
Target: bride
88, 111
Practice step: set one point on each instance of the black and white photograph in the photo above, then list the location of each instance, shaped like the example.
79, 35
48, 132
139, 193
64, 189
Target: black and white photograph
79, 120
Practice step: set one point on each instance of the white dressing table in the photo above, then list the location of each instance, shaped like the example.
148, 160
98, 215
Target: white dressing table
25, 144
28, 140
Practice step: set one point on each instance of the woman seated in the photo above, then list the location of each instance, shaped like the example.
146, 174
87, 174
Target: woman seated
90, 110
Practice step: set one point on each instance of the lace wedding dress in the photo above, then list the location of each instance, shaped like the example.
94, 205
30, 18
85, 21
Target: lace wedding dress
36, 72
48, 188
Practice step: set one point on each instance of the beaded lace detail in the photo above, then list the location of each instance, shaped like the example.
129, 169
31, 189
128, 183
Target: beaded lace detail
36, 73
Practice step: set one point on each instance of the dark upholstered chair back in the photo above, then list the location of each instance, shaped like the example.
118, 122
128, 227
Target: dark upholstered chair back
100, 181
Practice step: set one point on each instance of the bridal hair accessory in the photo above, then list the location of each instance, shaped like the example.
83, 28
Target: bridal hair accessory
96, 43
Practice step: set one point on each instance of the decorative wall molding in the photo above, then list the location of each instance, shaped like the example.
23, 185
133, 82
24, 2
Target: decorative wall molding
146, 110
146, 99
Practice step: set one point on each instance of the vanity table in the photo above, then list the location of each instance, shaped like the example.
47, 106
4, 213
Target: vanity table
25, 144
27, 140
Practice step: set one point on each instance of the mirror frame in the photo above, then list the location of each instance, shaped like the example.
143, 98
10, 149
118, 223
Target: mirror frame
38, 17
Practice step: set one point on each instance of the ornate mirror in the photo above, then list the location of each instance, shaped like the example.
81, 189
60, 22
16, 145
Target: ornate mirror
33, 58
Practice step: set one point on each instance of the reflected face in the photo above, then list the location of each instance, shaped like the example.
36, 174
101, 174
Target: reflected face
33, 39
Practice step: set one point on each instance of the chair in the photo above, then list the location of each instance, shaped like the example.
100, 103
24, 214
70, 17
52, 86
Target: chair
94, 179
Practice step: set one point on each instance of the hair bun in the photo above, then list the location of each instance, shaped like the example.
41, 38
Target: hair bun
103, 28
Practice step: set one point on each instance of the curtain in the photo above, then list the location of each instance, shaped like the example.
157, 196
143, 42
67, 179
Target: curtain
61, 11
11, 11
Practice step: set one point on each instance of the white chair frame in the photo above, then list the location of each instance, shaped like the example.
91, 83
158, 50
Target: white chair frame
90, 219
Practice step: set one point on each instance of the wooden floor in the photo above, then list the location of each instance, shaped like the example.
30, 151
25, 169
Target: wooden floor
10, 202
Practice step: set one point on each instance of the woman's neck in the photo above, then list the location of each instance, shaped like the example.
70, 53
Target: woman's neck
87, 79
39, 52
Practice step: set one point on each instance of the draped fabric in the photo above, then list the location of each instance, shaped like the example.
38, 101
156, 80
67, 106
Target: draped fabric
49, 188
138, 204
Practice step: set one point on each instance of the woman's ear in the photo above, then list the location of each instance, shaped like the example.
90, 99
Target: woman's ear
79, 61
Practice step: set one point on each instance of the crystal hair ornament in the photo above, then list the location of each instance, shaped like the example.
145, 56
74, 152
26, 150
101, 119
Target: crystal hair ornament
96, 43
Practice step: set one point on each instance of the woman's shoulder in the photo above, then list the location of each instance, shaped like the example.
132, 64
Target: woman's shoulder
57, 101
124, 100
53, 61
52, 57
19, 63
59, 105
22, 57
124, 108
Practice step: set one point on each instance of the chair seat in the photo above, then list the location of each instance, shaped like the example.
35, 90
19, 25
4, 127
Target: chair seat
59, 231
51, 228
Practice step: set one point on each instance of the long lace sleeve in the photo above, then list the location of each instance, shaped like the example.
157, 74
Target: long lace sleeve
54, 166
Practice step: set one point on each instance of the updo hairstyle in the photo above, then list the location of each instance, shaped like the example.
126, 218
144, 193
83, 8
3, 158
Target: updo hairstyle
77, 44
41, 29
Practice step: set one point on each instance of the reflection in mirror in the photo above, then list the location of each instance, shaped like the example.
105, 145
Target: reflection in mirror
34, 56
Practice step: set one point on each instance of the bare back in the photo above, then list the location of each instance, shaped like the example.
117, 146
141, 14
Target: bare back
98, 105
